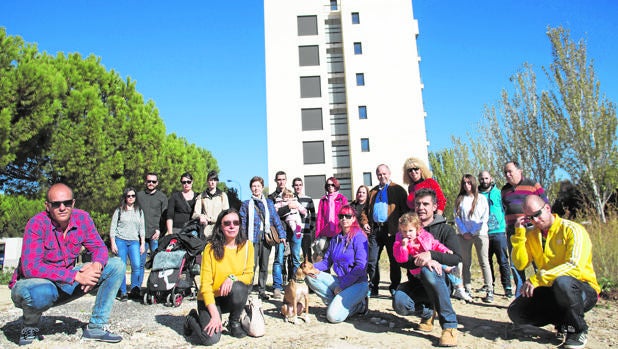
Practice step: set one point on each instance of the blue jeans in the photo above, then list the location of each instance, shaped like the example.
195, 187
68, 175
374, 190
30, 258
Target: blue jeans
153, 245
130, 248
36, 295
420, 296
293, 261
499, 247
277, 266
347, 303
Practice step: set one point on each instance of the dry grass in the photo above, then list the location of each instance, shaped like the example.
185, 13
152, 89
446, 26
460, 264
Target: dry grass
604, 238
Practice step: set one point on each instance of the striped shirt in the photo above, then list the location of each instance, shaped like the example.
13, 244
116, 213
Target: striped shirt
307, 203
513, 198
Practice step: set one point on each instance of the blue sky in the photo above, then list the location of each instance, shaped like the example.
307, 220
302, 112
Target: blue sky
202, 62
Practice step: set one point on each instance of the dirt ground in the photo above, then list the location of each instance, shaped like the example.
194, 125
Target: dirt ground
157, 326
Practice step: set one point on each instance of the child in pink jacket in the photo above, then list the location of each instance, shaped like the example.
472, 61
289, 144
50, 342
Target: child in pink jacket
412, 239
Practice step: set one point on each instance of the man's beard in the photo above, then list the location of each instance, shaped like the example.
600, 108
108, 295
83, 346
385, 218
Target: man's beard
484, 186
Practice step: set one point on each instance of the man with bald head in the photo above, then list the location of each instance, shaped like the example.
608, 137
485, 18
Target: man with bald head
496, 231
386, 202
565, 286
47, 274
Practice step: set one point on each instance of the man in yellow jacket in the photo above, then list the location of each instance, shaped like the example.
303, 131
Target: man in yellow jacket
565, 285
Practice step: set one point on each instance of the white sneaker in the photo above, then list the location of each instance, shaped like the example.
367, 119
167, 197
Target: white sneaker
460, 293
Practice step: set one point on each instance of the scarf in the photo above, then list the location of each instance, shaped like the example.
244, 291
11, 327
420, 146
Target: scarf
265, 218
332, 222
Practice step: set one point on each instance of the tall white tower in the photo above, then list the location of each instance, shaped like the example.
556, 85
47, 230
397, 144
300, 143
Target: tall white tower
343, 90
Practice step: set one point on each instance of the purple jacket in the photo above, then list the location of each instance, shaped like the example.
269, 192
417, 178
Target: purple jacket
348, 260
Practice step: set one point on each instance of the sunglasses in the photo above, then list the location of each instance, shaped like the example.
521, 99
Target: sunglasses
413, 169
130, 195
57, 204
228, 223
346, 216
330, 185
536, 214
186, 182
149, 181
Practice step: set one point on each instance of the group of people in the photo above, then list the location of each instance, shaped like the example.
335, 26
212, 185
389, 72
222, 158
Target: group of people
142, 216
343, 239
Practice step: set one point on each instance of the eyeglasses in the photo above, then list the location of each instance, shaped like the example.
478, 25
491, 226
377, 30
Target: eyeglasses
536, 214
186, 182
57, 204
330, 185
228, 223
413, 169
130, 195
151, 181
346, 216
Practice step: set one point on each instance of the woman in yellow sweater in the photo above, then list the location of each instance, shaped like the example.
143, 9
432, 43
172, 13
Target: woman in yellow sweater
226, 278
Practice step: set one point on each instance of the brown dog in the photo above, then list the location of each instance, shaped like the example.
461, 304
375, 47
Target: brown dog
296, 296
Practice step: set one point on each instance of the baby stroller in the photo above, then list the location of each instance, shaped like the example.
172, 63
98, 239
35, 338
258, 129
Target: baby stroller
174, 266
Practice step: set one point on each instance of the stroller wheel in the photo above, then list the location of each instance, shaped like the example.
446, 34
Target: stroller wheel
168, 300
145, 299
152, 299
177, 299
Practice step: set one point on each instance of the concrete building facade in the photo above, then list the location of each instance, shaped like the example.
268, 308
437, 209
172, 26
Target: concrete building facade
343, 90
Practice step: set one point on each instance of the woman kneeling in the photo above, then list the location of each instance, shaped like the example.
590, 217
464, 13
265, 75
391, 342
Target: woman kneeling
226, 276
346, 292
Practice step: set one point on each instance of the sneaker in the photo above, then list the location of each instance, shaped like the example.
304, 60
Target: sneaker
277, 294
135, 293
460, 293
264, 296
101, 334
28, 335
123, 297
489, 298
508, 293
448, 337
483, 289
374, 294
575, 340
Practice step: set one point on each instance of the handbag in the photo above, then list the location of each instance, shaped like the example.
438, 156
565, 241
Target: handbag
252, 318
272, 236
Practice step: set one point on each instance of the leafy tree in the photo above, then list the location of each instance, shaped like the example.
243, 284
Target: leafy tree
586, 120
15, 211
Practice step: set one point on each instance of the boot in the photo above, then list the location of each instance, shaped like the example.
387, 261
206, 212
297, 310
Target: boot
426, 325
236, 330
448, 337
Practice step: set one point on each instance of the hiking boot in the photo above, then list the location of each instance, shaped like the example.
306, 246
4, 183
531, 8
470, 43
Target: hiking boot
489, 298
29, 334
426, 325
277, 294
575, 340
460, 293
448, 337
101, 334
236, 330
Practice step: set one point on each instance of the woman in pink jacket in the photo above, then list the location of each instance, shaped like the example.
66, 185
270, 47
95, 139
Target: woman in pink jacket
327, 221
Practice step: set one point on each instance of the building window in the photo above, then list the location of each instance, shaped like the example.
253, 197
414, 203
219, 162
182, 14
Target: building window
307, 25
355, 18
311, 119
310, 87
314, 185
364, 144
313, 152
367, 179
358, 48
333, 5
360, 79
362, 112
308, 55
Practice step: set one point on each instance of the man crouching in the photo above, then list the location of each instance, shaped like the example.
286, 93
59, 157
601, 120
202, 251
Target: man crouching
47, 274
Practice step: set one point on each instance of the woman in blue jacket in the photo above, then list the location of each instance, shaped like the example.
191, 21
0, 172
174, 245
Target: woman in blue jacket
345, 293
